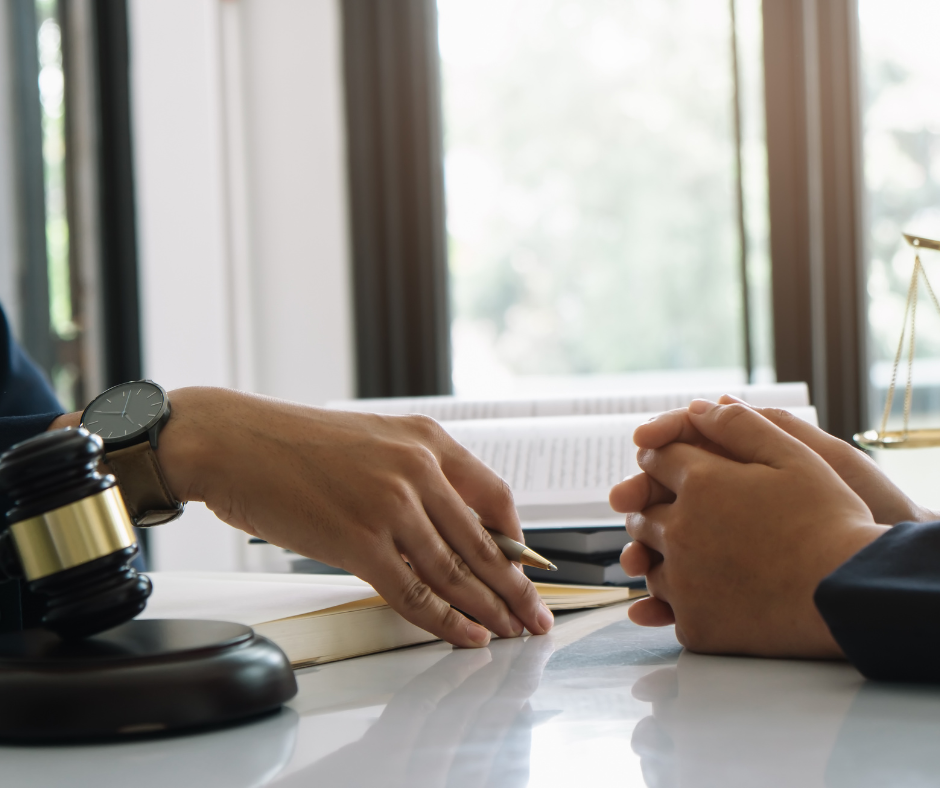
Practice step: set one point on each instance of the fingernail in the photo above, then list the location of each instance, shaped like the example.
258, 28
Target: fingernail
545, 618
700, 406
516, 624
735, 399
478, 634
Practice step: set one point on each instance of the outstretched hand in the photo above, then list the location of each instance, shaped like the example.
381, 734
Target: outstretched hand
736, 522
387, 498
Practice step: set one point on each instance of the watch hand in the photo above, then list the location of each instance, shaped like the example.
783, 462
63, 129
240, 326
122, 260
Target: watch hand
126, 400
109, 412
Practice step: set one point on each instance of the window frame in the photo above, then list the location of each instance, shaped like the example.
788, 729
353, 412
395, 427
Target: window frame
816, 199
99, 194
396, 197
813, 121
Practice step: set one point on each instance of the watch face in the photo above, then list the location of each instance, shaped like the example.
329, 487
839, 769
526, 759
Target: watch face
125, 412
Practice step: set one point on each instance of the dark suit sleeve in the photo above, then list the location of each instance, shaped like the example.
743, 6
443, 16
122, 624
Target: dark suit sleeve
883, 605
27, 404
27, 407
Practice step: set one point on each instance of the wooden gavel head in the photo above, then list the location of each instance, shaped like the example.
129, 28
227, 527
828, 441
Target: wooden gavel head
69, 535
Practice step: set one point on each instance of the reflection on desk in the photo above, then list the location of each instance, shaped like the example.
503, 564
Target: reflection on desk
249, 755
597, 701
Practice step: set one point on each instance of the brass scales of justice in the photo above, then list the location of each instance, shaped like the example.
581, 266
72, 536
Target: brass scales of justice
906, 438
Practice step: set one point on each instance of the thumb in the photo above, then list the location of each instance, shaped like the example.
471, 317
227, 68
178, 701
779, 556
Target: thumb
746, 435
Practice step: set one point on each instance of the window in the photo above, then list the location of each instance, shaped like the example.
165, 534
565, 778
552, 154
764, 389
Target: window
592, 191
901, 125
75, 306
594, 177
62, 327
901, 78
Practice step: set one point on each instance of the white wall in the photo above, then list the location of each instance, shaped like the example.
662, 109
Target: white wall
240, 167
297, 172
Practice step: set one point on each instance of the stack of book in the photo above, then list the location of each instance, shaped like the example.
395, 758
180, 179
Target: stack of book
588, 556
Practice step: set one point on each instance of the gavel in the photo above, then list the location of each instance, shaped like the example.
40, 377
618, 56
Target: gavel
90, 671
69, 535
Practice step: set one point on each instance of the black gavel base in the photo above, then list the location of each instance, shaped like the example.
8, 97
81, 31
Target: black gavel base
141, 678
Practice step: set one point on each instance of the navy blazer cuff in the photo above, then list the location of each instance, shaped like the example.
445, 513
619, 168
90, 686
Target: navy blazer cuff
883, 605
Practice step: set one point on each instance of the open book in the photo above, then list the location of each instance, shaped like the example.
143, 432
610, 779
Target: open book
560, 456
561, 468
448, 408
320, 618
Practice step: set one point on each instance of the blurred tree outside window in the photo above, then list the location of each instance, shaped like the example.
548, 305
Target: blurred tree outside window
901, 162
590, 169
65, 373
901, 126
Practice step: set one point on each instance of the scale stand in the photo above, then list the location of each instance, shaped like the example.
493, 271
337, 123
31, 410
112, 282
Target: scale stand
906, 438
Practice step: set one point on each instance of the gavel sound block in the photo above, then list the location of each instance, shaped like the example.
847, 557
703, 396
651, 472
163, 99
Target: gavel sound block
89, 671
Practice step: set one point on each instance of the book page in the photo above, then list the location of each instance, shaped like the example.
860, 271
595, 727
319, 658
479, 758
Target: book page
780, 395
554, 460
566, 596
556, 464
248, 598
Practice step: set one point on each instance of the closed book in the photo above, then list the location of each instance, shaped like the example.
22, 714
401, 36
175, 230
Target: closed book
320, 618
604, 570
578, 541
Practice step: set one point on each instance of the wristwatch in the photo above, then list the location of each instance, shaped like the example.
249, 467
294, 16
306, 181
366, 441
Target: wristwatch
128, 418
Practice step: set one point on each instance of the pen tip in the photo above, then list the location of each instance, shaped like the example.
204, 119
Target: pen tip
552, 567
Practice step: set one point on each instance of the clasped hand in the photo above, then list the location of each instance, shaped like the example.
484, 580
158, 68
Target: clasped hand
737, 516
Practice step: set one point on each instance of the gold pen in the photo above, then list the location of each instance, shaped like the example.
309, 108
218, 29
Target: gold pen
516, 551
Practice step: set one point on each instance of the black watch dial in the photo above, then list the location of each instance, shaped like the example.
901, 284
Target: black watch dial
122, 414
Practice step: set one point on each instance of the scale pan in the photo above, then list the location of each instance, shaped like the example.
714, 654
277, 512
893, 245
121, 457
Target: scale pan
898, 439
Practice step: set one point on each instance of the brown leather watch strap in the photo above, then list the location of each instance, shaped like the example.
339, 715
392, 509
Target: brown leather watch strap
146, 494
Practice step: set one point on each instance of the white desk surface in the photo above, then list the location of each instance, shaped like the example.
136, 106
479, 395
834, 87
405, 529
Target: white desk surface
598, 701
